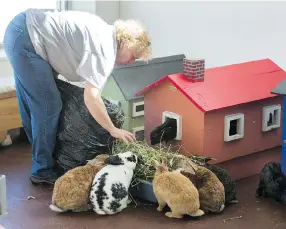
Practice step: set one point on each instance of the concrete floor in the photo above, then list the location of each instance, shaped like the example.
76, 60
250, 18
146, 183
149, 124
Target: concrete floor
34, 213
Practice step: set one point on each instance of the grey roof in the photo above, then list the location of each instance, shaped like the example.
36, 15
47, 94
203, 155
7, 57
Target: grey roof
134, 77
280, 89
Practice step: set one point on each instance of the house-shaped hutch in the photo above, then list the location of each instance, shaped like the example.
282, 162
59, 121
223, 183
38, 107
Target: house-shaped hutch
224, 112
126, 80
280, 90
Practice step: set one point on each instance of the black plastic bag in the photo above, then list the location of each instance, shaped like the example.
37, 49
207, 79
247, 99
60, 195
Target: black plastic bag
272, 183
80, 137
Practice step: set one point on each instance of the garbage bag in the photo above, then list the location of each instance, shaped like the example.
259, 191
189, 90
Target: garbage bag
80, 137
272, 183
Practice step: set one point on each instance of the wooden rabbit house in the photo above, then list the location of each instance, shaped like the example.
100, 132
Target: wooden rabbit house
225, 112
126, 80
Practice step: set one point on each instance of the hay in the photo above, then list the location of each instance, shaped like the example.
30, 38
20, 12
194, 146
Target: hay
145, 171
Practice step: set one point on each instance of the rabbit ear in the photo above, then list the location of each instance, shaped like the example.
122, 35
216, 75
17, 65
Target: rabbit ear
88, 162
207, 159
164, 162
193, 165
188, 170
114, 160
155, 163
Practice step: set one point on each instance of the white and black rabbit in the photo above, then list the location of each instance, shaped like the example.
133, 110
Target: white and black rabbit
109, 191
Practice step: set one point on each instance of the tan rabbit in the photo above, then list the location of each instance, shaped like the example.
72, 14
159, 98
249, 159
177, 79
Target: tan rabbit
175, 190
211, 190
71, 191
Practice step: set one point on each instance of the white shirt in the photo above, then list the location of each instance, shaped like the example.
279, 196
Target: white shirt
78, 45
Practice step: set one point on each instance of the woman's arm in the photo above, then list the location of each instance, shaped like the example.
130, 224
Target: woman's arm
96, 106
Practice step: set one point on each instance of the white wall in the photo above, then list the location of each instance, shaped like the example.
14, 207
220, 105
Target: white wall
221, 32
86, 6
108, 10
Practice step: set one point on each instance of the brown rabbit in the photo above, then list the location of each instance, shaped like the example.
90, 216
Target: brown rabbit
181, 161
71, 191
211, 190
175, 190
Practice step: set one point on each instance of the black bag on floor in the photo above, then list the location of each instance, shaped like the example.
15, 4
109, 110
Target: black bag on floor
272, 183
79, 136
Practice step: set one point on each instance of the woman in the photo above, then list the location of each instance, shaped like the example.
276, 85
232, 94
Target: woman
41, 44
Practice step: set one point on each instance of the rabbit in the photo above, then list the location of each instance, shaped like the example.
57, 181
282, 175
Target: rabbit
109, 192
181, 161
211, 190
175, 190
7, 141
71, 190
272, 183
224, 177
227, 181
200, 160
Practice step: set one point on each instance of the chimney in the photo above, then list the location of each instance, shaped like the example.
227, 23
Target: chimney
194, 69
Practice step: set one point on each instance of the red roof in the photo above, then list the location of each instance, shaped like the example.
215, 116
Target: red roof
228, 85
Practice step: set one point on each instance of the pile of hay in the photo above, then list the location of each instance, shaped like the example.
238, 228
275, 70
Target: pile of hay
146, 170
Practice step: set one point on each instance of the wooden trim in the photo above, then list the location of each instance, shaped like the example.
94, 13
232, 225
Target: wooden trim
137, 113
9, 114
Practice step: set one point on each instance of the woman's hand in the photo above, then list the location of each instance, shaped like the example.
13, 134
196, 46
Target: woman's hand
122, 135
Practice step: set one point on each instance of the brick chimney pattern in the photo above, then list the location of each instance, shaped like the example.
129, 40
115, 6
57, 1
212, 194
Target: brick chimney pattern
194, 69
